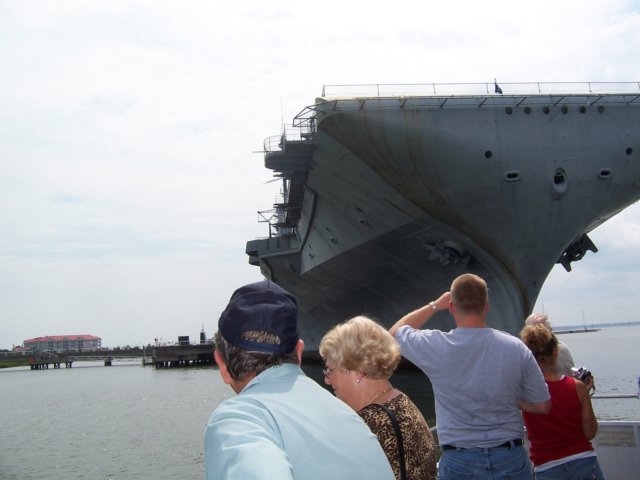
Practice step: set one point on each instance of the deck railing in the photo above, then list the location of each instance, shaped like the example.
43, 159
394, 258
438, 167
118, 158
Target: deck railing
508, 88
303, 127
441, 95
290, 133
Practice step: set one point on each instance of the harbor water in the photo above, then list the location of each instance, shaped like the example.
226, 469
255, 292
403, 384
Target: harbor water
133, 422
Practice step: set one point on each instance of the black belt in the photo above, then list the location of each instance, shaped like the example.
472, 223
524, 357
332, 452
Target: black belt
510, 444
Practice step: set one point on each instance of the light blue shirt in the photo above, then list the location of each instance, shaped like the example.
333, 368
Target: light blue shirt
478, 375
283, 425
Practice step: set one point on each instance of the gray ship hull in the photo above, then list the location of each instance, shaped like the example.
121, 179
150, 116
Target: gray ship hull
386, 199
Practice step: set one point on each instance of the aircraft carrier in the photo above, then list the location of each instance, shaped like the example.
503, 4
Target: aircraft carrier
391, 191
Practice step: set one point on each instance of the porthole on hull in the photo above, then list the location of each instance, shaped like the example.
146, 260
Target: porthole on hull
512, 175
559, 183
604, 173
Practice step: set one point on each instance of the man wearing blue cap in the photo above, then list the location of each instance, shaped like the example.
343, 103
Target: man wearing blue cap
282, 424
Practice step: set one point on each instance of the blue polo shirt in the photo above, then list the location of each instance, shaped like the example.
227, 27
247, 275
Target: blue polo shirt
283, 425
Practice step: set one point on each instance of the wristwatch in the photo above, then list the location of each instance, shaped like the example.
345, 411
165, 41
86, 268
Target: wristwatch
433, 306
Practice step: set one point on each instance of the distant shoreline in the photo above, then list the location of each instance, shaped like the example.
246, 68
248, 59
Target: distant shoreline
591, 327
581, 330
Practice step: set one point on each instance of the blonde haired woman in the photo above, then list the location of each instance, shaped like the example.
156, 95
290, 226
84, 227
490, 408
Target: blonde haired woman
360, 356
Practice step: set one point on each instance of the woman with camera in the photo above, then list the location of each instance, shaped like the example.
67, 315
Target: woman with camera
560, 441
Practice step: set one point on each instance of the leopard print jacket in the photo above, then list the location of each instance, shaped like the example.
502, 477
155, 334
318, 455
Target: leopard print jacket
418, 442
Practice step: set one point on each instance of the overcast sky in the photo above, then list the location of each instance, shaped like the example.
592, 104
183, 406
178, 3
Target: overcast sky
129, 178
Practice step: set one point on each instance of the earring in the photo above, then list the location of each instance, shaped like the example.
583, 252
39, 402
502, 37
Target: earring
358, 380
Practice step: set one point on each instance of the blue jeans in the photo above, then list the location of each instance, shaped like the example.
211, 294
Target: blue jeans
581, 469
485, 464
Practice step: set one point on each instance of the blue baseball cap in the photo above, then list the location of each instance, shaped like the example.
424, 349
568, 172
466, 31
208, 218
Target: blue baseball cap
262, 306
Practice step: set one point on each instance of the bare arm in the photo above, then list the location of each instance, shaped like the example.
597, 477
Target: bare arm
589, 422
422, 315
540, 407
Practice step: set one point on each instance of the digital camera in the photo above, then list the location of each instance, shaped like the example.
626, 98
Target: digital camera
581, 374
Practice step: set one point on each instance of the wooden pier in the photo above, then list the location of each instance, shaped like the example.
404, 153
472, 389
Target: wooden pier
176, 356
42, 360
165, 356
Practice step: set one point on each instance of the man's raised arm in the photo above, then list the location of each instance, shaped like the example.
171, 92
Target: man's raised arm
422, 315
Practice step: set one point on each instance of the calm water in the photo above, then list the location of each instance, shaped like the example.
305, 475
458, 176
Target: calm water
134, 422
613, 356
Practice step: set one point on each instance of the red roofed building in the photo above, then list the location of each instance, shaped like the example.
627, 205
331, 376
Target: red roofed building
63, 343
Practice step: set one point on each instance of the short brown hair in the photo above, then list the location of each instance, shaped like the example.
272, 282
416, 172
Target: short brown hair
540, 341
469, 294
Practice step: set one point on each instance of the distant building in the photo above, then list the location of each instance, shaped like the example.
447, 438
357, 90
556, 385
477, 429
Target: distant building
63, 343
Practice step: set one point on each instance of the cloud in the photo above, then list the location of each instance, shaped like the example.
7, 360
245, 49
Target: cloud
128, 182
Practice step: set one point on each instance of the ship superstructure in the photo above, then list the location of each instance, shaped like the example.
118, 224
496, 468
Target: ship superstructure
390, 192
